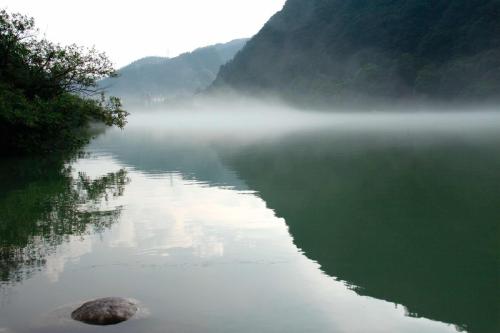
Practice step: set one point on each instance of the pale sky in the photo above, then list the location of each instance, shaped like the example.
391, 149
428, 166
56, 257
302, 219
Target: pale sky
129, 30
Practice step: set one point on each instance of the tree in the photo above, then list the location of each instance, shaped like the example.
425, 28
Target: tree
49, 92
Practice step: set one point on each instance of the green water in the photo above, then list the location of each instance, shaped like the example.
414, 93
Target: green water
366, 223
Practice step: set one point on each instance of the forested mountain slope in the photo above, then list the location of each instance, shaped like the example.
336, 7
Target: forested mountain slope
347, 51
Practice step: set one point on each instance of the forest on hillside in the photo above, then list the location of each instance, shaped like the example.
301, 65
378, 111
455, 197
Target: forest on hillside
354, 51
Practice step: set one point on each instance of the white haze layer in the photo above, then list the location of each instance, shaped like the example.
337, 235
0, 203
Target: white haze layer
251, 120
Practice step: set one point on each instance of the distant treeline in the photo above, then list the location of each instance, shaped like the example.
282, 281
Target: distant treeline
358, 51
48, 93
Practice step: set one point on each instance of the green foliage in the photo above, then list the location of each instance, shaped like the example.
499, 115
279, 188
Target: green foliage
427, 80
443, 50
47, 92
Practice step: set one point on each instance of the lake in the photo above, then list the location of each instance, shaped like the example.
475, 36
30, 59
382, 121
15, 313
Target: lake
261, 222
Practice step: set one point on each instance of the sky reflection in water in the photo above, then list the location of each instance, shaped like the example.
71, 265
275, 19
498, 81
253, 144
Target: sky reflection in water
197, 246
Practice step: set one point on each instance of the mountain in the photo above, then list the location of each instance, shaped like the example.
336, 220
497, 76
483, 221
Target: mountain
367, 50
161, 79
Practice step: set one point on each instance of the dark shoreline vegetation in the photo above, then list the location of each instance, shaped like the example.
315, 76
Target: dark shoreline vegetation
48, 93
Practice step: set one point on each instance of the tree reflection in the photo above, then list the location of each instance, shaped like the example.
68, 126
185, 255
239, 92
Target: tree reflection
43, 204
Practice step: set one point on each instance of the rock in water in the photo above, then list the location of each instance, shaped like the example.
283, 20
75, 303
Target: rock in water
105, 311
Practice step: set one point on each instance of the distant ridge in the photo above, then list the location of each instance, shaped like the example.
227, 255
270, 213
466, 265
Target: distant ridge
159, 79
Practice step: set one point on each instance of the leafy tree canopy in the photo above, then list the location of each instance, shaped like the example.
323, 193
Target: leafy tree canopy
49, 92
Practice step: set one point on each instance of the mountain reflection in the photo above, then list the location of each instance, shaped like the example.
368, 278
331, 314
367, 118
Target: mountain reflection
408, 221
43, 204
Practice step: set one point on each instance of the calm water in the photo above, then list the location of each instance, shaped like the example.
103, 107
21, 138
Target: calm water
243, 223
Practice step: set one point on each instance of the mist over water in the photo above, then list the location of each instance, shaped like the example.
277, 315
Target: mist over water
255, 121
380, 200
259, 217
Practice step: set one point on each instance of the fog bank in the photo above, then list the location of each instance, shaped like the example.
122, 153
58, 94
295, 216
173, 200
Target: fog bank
251, 119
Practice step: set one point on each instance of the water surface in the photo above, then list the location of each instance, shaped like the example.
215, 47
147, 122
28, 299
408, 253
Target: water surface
234, 222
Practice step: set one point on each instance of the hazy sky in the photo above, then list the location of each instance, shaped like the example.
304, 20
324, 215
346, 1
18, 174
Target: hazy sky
128, 30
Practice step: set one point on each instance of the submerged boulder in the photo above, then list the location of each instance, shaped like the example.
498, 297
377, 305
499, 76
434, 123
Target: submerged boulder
105, 311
